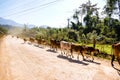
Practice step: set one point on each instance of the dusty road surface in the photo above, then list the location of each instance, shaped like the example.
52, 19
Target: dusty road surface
20, 61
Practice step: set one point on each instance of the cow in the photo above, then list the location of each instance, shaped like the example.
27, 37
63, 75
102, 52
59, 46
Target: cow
92, 51
38, 41
25, 40
65, 47
12, 36
78, 49
17, 36
54, 44
41, 41
116, 53
31, 39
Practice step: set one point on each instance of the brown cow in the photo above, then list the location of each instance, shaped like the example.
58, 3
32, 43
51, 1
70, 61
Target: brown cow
17, 36
38, 41
116, 53
25, 40
78, 49
42, 42
92, 51
54, 44
65, 47
31, 39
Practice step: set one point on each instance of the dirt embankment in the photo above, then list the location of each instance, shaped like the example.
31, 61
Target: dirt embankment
19, 61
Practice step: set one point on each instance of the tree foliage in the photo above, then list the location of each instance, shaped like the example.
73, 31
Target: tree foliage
3, 30
104, 30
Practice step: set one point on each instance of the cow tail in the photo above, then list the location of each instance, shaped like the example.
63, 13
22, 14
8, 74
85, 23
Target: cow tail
112, 54
113, 57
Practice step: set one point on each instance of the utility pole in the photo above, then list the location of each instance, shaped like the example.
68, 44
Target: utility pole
119, 8
68, 22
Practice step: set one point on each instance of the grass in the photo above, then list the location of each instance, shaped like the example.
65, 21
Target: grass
106, 48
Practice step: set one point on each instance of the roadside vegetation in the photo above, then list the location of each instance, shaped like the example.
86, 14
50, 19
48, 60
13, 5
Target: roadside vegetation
3, 31
85, 26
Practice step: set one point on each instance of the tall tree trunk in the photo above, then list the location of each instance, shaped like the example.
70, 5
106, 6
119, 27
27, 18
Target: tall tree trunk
119, 8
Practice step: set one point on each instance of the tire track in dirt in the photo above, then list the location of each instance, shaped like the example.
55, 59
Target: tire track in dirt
5, 71
20, 67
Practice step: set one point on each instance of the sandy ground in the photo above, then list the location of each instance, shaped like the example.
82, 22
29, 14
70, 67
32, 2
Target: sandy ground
19, 61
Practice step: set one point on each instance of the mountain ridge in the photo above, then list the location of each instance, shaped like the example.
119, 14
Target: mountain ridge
9, 22
13, 23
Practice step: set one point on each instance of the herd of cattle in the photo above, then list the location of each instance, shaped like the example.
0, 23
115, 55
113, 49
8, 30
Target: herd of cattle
68, 48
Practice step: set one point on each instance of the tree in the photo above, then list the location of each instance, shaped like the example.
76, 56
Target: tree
82, 11
72, 35
111, 8
91, 19
75, 15
3, 31
74, 26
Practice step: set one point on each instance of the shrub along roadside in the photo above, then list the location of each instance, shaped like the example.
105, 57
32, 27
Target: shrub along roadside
3, 31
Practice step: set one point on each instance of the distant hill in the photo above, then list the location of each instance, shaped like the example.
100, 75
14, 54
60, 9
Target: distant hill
9, 22
44, 26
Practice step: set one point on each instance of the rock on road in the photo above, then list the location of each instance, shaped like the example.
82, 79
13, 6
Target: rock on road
19, 61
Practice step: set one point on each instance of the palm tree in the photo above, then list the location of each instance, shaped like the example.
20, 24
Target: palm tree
82, 11
89, 9
111, 6
119, 8
75, 15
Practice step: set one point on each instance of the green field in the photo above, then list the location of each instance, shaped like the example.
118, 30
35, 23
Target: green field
106, 48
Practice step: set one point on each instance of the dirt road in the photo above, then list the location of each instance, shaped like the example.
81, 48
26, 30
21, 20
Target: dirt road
20, 61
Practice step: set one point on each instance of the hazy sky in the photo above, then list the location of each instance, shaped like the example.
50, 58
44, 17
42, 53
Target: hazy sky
53, 13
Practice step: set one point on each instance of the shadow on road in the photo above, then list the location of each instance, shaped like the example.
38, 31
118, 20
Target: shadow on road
118, 71
23, 43
53, 51
38, 46
92, 62
71, 60
29, 43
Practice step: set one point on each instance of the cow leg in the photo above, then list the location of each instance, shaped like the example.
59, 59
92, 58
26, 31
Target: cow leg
113, 57
61, 51
92, 55
67, 53
83, 54
50, 47
71, 51
118, 59
43, 45
64, 51
78, 56
55, 49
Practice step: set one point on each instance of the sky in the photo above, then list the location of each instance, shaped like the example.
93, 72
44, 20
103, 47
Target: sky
52, 13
